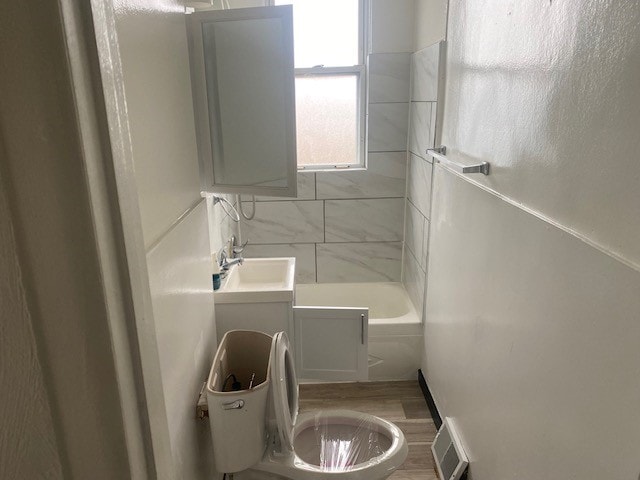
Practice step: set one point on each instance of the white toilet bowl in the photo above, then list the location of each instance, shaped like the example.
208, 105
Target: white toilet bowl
340, 444
337, 444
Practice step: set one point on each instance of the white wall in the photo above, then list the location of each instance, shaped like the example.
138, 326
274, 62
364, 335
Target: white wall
532, 342
155, 62
60, 285
25, 413
430, 23
532, 326
548, 95
181, 289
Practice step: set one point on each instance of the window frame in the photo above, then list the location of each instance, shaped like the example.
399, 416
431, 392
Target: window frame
360, 70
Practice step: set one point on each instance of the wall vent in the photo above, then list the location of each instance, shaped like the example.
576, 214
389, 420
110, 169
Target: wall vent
451, 461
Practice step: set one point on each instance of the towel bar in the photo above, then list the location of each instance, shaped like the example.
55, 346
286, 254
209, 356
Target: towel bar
440, 155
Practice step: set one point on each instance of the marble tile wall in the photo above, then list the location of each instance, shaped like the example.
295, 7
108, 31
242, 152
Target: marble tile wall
387, 124
388, 79
424, 88
285, 222
363, 262
363, 220
384, 178
348, 226
338, 235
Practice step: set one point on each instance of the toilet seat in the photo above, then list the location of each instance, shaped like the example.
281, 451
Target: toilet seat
284, 389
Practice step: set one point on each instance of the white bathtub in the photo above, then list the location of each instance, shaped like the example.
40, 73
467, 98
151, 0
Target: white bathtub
395, 329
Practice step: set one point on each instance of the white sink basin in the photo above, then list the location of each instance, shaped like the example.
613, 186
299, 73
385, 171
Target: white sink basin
259, 280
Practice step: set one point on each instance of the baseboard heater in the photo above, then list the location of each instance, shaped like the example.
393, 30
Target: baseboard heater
451, 461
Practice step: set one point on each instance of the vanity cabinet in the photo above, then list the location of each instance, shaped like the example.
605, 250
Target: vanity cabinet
331, 343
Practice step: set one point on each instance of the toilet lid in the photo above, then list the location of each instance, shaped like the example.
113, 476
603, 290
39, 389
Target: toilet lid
284, 387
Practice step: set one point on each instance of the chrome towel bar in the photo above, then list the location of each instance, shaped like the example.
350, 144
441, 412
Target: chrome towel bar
440, 155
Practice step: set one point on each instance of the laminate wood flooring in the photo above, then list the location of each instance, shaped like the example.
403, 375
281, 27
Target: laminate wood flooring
399, 402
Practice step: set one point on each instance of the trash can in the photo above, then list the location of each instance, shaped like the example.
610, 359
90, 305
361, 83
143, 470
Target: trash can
237, 395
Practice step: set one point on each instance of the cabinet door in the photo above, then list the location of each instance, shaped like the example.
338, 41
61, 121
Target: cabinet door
331, 343
243, 85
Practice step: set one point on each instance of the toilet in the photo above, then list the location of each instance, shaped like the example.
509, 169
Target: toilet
267, 439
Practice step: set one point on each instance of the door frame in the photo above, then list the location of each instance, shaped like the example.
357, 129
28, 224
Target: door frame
100, 366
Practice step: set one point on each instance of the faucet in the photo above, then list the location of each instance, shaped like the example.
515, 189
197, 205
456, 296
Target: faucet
226, 263
229, 255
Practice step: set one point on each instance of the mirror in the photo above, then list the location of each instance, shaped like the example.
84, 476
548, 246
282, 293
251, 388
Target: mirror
244, 99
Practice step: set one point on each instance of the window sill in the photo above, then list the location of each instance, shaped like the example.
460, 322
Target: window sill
331, 168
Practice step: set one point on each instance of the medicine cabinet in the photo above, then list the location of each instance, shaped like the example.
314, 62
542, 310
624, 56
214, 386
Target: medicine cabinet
243, 83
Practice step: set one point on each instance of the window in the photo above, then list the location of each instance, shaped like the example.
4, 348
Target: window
330, 78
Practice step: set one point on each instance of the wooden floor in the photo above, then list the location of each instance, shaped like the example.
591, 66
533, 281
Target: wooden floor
399, 402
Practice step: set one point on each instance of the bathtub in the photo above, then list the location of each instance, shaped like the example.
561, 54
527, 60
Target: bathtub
395, 329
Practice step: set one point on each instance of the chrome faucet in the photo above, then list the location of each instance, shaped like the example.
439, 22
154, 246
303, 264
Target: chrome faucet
229, 255
226, 263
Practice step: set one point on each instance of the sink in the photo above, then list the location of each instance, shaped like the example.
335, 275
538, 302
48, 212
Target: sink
258, 280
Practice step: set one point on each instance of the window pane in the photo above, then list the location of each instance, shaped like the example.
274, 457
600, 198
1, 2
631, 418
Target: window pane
325, 32
327, 119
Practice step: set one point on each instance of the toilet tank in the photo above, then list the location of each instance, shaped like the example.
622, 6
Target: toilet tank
237, 394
